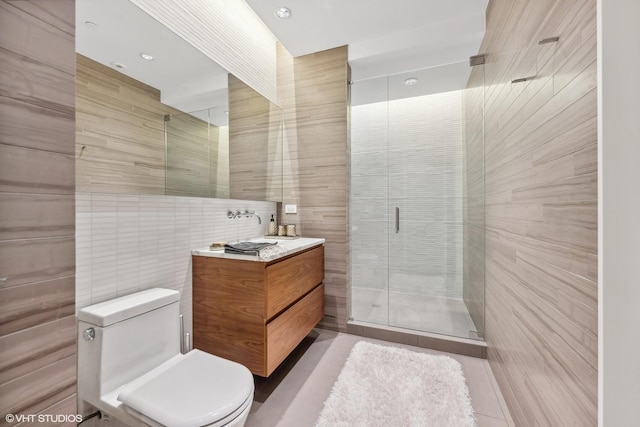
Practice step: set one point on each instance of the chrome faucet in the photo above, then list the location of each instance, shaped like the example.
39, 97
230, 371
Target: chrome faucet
246, 213
252, 213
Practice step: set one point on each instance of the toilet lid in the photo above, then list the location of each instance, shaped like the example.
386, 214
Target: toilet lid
190, 390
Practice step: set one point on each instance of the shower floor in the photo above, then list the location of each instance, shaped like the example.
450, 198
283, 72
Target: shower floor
440, 315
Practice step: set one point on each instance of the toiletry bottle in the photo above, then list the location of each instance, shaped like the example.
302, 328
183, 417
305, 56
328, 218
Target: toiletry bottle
273, 228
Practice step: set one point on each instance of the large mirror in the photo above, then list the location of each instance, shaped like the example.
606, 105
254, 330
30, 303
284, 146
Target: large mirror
156, 116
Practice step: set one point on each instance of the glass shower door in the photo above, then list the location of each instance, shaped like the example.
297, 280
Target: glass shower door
417, 203
369, 202
425, 206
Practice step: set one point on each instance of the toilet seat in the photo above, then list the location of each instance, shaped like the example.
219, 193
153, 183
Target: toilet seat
190, 390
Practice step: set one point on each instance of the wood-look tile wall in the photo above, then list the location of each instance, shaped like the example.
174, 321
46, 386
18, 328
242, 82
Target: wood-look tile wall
541, 209
312, 91
37, 219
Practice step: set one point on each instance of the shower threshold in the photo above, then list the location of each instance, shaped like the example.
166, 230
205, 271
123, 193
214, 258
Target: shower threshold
450, 344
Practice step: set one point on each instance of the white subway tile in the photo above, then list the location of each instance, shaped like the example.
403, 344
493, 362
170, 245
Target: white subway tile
126, 243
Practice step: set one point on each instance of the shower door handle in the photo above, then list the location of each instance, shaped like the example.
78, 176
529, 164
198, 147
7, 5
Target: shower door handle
397, 220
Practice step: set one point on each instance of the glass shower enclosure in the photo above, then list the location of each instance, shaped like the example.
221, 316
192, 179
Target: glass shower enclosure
416, 202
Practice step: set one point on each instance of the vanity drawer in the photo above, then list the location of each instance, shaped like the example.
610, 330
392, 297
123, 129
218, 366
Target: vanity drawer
288, 280
286, 331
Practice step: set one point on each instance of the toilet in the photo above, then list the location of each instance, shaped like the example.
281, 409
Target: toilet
130, 367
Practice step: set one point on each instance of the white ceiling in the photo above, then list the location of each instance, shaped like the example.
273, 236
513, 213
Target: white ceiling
384, 38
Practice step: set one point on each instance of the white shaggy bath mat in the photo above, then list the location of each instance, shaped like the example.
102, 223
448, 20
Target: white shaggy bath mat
390, 386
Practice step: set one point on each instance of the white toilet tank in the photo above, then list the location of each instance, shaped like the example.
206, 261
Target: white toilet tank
123, 338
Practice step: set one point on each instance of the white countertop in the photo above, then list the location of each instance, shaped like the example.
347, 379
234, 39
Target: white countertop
290, 247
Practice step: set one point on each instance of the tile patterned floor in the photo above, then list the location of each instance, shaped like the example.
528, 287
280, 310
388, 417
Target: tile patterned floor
294, 394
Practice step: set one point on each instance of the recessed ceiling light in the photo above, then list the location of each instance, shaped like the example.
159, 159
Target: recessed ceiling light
146, 56
411, 81
91, 25
283, 13
119, 65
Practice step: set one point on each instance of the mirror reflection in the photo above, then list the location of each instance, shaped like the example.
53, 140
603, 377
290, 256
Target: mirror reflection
255, 144
198, 153
166, 126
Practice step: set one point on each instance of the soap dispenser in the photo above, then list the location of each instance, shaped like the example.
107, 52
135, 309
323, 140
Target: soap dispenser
273, 228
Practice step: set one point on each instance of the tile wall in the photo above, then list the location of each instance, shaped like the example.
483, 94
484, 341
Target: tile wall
313, 96
127, 243
541, 189
37, 263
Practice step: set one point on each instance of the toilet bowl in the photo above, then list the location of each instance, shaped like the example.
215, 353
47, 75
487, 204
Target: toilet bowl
130, 367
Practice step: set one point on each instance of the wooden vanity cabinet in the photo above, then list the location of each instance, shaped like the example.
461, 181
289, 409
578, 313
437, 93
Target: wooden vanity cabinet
256, 313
